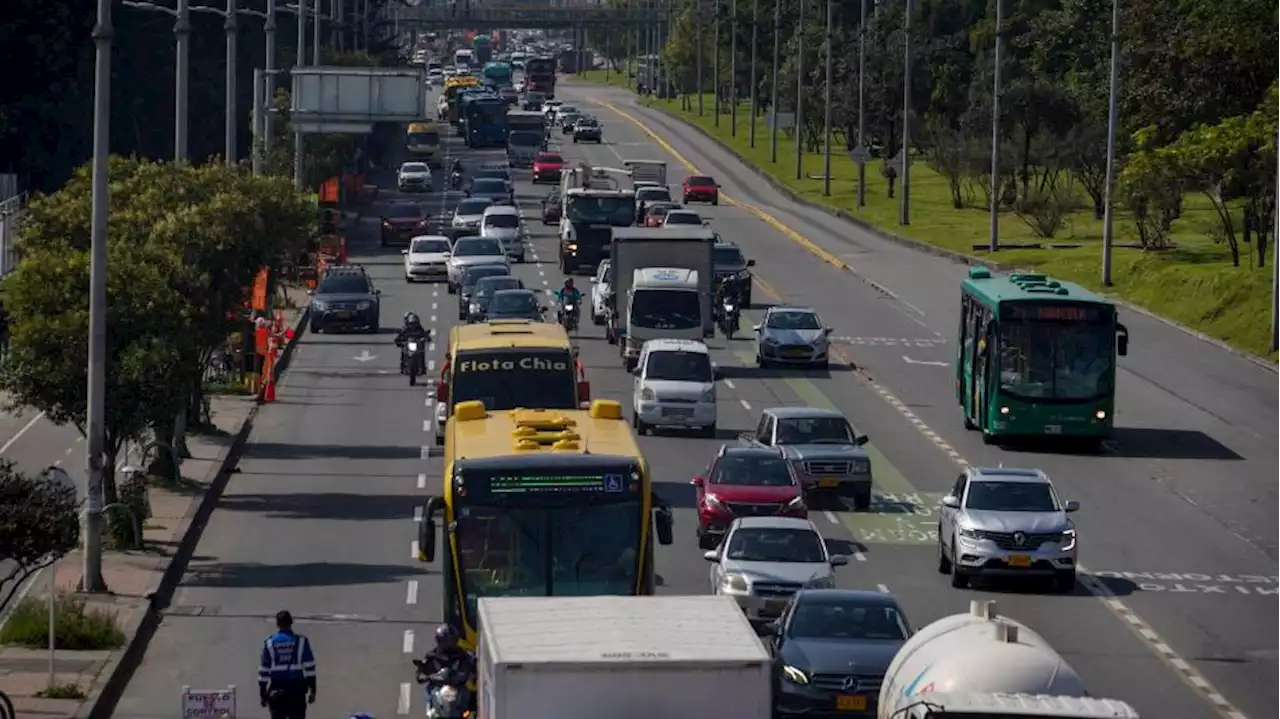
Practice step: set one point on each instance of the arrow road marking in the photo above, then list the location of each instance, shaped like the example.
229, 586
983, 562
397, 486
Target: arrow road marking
908, 360
364, 356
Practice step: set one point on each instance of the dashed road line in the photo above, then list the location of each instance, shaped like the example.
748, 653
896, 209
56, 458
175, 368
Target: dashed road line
426, 452
422, 480
883, 588
406, 695
414, 552
831, 516
411, 594
426, 425
417, 514
406, 644
729, 383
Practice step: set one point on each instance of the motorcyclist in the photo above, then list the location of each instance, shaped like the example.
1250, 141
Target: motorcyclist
455, 173
446, 654
724, 294
568, 295
412, 330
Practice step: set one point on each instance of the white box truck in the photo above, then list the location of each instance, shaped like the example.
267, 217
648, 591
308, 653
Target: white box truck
637, 248
982, 665
667, 657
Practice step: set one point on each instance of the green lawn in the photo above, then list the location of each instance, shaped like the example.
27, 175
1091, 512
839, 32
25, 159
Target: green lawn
1193, 284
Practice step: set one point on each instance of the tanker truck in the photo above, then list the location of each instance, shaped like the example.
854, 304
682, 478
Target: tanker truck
983, 666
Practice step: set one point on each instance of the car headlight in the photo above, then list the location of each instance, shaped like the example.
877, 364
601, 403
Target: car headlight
647, 394
735, 584
768, 340
319, 306
819, 341
709, 395
364, 305
475, 308
741, 274
1068, 540
713, 501
795, 675
971, 535
795, 504
861, 466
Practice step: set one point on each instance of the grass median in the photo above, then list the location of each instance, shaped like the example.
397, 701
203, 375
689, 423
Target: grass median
1192, 283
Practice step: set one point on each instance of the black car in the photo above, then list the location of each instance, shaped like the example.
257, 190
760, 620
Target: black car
514, 305
484, 292
587, 129
532, 101
467, 287
567, 122
734, 271
832, 649
495, 173
345, 299
551, 207
491, 188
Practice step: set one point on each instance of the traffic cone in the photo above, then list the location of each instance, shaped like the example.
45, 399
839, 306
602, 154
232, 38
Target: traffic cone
269, 393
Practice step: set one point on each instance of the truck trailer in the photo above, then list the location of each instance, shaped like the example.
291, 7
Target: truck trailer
983, 665
673, 657
638, 248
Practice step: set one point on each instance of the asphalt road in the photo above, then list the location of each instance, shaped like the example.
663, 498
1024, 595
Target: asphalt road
320, 519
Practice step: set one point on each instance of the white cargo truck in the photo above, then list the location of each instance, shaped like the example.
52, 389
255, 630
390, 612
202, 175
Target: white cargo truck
652, 172
983, 665
638, 248
668, 657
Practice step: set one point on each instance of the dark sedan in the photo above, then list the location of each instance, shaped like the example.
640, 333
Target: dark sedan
484, 291
833, 647
402, 222
493, 189
551, 208
514, 305
467, 287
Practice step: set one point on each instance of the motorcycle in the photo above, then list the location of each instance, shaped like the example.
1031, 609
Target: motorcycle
411, 360
446, 693
730, 316
569, 317
455, 180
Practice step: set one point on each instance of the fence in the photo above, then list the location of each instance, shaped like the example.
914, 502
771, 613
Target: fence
11, 210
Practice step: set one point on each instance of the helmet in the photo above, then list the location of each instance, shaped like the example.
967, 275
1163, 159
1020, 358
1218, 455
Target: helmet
446, 637
411, 320
568, 282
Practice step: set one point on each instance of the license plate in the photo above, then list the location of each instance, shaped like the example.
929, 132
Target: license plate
851, 704
1053, 429
676, 412
1019, 560
797, 353
341, 314
828, 482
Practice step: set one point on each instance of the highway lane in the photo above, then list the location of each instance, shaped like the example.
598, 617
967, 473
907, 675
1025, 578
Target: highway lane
1203, 583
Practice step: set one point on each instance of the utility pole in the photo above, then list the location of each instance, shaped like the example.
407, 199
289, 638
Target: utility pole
666, 40
299, 140
1275, 266
773, 84
315, 36
258, 120
826, 120
862, 114
95, 428
231, 26
269, 90
733, 68
905, 216
994, 230
1113, 93
799, 124
698, 30
715, 62
182, 79
755, 86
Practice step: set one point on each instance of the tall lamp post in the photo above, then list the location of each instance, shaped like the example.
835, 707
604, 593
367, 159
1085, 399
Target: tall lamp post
1113, 91
755, 86
799, 121
904, 217
773, 83
826, 119
733, 68
994, 229
697, 24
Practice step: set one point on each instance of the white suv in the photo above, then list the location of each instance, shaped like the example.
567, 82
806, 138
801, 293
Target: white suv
675, 386
502, 223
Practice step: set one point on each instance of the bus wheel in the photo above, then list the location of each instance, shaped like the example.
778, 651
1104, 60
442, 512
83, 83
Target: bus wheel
988, 438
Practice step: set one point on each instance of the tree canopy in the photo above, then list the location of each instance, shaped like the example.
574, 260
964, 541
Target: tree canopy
39, 522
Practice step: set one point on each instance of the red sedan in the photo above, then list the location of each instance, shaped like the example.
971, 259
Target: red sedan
701, 188
547, 166
745, 482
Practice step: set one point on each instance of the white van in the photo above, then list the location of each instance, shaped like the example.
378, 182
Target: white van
675, 386
502, 223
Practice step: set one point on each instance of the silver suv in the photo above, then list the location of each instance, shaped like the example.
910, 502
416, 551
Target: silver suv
1006, 522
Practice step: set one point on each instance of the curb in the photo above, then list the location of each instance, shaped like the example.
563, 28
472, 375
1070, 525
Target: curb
957, 257
119, 670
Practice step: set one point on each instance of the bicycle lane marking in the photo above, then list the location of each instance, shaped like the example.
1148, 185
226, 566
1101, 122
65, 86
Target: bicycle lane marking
1129, 618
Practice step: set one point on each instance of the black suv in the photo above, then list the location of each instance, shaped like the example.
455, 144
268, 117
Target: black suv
345, 299
734, 270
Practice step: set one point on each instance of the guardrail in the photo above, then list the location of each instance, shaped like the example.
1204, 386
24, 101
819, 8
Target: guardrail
10, 220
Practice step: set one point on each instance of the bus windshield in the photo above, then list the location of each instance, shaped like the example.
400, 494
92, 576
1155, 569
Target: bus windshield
424, 138
1070, 361
548, 551
533, 378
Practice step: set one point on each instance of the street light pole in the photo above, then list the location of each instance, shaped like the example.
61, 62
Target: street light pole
715, 63
258, 120
994, 230
755, 91
182, 77
773, 84
826, 120
95, 424
231, 26
299, 141
905, 215
1113, 92
698, 29
269, 91
862, 115
733, 68
315, 36
799, 124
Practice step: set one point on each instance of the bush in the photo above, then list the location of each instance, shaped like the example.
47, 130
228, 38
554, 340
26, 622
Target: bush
1046, 212
75, 627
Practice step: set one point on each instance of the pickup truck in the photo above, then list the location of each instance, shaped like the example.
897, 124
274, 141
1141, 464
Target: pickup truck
827, 453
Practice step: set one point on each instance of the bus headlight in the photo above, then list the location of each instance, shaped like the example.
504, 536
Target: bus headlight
1100, 414
734, 584
1004, 410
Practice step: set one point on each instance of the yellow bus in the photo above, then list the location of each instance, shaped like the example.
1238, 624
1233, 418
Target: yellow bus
422, 140
542, 502
508, 364
448, 107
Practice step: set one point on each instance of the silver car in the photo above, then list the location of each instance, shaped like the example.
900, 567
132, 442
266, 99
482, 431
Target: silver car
1006, 522
763, 561
467, 215
470, 251
792, 335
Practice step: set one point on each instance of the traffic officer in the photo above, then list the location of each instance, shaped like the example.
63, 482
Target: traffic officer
287, 671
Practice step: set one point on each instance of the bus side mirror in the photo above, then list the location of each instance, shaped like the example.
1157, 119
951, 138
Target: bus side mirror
1122, 340
427, 531
662, 522
584, 391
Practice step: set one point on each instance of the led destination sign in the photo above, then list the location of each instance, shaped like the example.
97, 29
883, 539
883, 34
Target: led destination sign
1036, 312
589, 483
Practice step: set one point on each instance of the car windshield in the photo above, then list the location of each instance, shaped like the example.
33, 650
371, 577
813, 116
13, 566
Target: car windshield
343, 285
493, 175
1056, 360
489, 186
514, 302
476, 248
616, 210
776, 544
701, 181
403, 212
568, 110
487, 286
814, 430
666, 309
502, 221
729, 257
819, 617
1011, 497
659, 210
653, 194
678, 366
793, 321
756, 470
475, 274
550, 159
471, 207
412, 167
683, 218
430, 246
586, 122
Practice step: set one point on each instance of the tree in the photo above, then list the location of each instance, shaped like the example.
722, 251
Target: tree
39, 522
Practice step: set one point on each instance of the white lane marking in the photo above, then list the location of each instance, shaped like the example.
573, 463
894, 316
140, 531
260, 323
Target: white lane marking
545, 282
429, 399
407, 642
426, 452
431, 347
1139, 626
422, 480
58, 463
413, 550
859, 556
433, 319
729, 383
831, 516
402, 705
431, 365
70, 450
411, 594
426, 425
883, 589
435, 293
417, 513
435, 305
542, 273
79, 439
745, 405
20, 432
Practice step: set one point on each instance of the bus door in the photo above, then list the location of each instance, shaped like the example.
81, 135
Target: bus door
984, 350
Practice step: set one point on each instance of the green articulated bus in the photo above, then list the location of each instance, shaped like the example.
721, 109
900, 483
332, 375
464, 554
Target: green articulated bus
1037, 357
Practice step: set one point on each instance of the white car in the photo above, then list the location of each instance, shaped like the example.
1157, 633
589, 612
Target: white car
427, 258
762, 561
564, 111
502, 223
549, 107
682, 218
675, 386
435, 77
600, 290
470, 251
518, 85
414, 177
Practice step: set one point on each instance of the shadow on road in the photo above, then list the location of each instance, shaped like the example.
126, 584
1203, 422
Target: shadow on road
276, 450
311, 574
327, 505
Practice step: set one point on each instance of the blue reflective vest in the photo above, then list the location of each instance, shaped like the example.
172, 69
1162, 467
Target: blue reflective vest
286, 659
